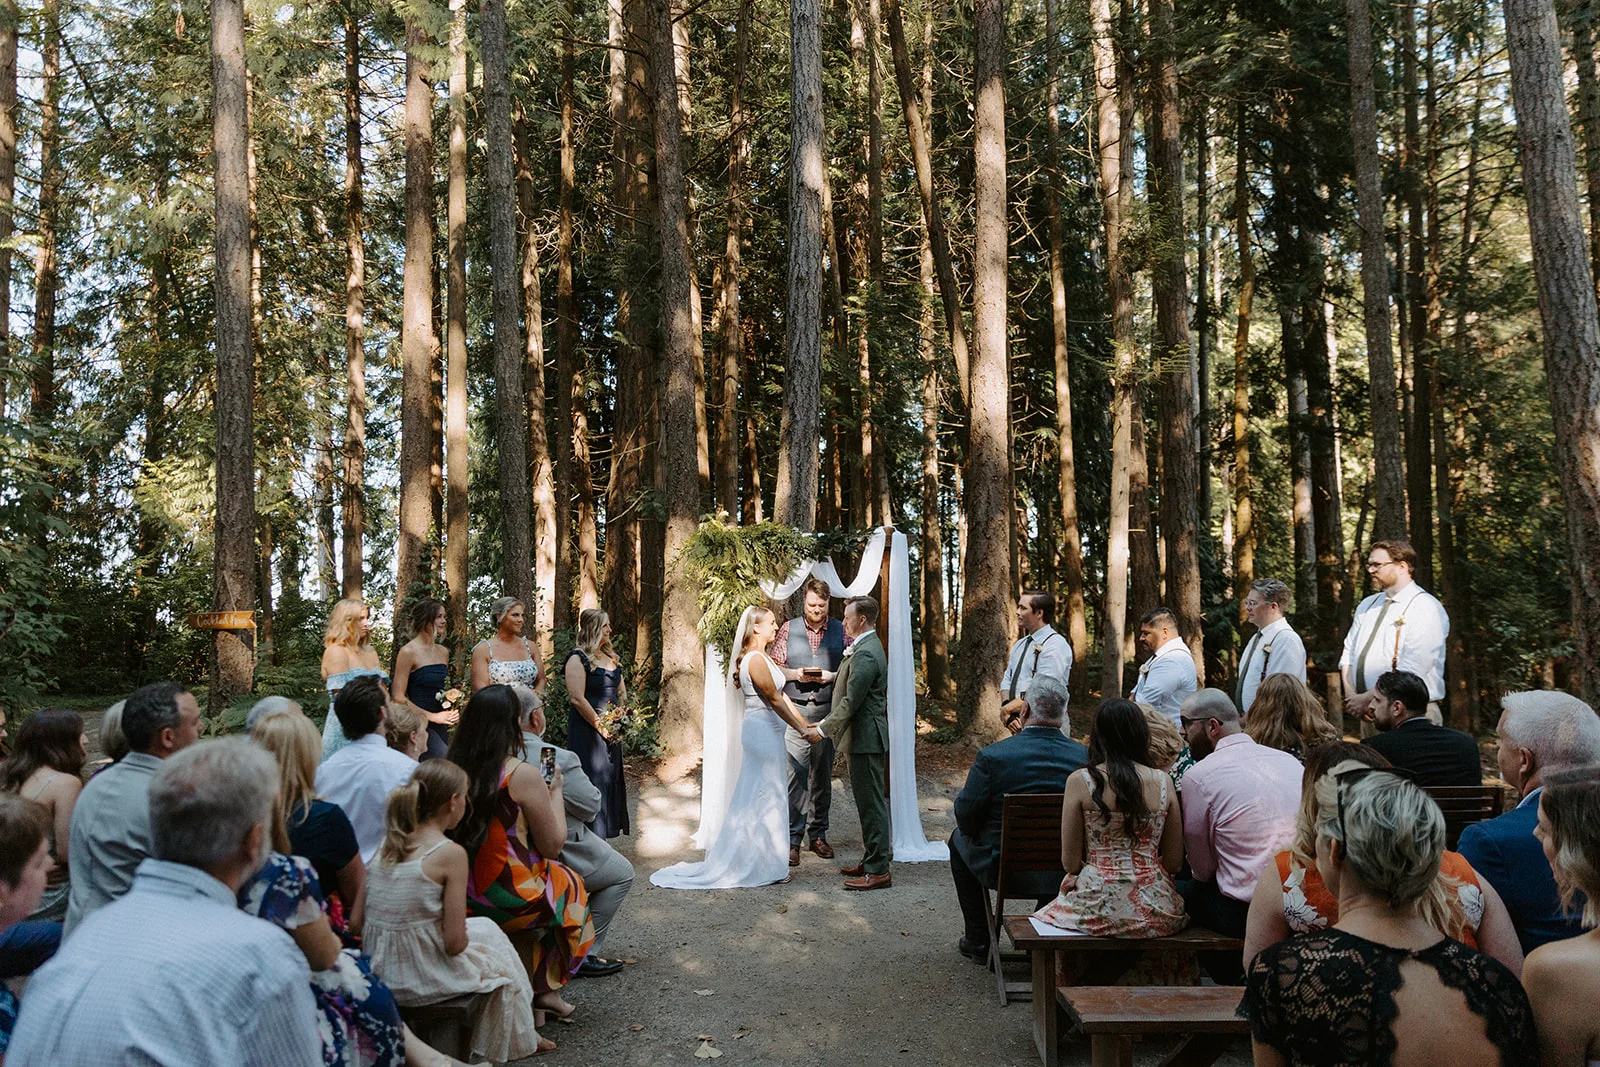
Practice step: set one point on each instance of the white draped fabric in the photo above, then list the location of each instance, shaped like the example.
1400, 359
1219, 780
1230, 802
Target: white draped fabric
723, 707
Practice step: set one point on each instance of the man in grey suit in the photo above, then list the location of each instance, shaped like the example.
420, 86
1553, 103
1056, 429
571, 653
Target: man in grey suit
111, 822
859, 725
605, 872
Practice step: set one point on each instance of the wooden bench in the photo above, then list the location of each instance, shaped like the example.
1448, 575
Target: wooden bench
1114, 955
1464, 805
1112, 1016
446, 1024
1030, 843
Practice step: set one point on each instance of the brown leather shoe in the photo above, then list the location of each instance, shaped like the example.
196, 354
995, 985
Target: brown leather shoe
820, 846
871, 881
858, 871
794, 855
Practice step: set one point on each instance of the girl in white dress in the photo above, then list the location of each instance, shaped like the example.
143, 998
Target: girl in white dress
752, 848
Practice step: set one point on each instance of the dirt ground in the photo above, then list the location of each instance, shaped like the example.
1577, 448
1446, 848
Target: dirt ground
804, 973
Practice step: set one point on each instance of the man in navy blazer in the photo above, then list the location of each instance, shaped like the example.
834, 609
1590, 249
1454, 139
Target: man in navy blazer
1038, 759
1538, 732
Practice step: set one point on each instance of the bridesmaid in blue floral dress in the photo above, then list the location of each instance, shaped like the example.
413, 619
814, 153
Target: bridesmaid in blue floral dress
422, 672
347, 655
360, 1022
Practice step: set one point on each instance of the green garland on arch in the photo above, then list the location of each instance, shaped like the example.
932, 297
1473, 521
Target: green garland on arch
730, 562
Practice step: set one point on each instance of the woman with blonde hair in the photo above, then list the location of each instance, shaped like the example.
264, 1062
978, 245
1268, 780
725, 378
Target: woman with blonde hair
507, 658
1285, 716
593, 673
406, 730
347, 654
1562, 977
1382, 985
1291, 896
318, 831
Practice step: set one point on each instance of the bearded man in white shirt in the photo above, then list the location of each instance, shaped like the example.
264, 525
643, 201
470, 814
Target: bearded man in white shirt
1168, 676
1275, 648
1401, 627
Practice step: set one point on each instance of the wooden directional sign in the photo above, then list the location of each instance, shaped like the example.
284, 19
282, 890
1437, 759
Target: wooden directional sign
223, 620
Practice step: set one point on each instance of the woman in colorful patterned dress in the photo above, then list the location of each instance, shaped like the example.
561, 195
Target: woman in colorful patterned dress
514, 821
1121, 836
1290, 897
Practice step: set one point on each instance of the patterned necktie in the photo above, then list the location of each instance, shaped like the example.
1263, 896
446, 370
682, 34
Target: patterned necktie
1361, 661
1244, 669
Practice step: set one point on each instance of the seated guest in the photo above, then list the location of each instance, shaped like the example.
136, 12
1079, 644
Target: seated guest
1291, 898
110, 832
606, 873
1169, 675
1383, 985
1538, 732
1239, 803
1166, 743
360, 776
1121, 836
419, 934
1287, 717
319, 832
173, 972
1037, 760
112, 742
24, 869
407, 730
515, 824
1562, 977
268, 706
1435, 755
45, 765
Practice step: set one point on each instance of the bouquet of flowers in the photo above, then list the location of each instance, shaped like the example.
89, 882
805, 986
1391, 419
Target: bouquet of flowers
616, 720
450, 699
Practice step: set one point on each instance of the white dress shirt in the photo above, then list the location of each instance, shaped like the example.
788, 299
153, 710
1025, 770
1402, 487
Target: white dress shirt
1275, 649
359, 778
1042, 652
1166, 678
171, 973
1412, 627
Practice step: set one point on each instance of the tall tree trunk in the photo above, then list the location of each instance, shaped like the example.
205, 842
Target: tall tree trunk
730, 335
545, 541
1067, 470
1305, 527
935, 639
417, 343
681, 674
932, 215
1203, 310
1119, 286
1589, 117
457, 477
10, 23
1244, 527
1375, 295
796, 501
1419, 437
511, 415
351, 494
875, 466
1567, 311
1180, 466
986, 621
234, 530
43, 410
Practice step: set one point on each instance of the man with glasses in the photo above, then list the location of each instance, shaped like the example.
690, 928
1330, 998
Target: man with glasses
1401, 627
1239, 807
1275, 648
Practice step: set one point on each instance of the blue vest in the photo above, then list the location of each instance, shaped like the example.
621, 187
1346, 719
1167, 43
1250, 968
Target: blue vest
808, 696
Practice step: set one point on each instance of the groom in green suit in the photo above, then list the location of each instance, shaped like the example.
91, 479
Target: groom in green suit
859, 725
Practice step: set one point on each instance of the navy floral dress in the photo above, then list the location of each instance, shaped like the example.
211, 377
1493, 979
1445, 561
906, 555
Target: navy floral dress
360, 1023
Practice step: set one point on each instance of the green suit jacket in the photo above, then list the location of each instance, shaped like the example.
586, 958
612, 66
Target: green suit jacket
859, 719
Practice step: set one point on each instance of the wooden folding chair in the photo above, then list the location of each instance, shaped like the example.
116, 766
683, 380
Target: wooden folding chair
1030, 843
1464, 805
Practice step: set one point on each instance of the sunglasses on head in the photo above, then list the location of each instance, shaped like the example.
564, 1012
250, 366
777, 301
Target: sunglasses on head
1355, 774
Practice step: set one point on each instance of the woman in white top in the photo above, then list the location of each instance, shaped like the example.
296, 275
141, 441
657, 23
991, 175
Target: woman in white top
506, 658
347, 655
752, 848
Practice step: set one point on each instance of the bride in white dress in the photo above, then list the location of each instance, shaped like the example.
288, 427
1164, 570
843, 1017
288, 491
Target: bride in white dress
752, 848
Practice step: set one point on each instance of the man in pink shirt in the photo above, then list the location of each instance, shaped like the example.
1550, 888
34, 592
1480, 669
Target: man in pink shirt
1239, 806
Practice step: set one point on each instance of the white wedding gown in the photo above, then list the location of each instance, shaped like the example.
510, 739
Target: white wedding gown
752, 848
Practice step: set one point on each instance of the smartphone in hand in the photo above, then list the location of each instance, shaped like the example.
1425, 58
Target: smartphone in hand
547, 764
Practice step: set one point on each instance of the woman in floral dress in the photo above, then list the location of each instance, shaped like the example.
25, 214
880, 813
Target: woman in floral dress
1121, 836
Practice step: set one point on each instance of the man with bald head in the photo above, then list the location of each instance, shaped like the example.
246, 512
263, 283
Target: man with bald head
1239, 807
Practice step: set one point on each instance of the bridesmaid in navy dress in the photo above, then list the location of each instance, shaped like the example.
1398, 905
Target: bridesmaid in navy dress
594, 683
422, 672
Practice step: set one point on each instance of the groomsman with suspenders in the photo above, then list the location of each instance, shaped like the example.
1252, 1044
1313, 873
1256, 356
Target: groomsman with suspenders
1400, 627
1275, 648
1039, 650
